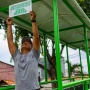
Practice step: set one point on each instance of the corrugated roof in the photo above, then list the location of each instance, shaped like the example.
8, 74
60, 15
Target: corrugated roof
71, 21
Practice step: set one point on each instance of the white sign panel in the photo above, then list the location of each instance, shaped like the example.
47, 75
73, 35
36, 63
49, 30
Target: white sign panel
20, 8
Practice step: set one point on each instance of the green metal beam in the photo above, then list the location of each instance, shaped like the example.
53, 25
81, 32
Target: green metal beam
87, 50
56, 35
7, 88
53, 81
68, 61
7, 7
13, 87
71, 84
67, 85
76, 14
76, 42
35, 1
69, 28
86, 86
80, 63
4, 8
45, 61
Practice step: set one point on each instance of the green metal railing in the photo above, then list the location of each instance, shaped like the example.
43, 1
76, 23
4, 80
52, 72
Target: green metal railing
84, 82
73, 84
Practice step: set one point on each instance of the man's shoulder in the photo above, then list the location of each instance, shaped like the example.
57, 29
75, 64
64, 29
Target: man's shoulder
16, 54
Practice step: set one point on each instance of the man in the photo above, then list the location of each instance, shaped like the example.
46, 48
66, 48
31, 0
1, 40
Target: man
26, 61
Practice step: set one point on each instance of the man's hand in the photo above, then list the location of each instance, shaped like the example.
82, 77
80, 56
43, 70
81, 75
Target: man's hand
32, 15
11, 45
36, 40
9, 21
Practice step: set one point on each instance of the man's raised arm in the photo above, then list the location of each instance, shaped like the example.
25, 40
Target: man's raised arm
36, 40
11, 45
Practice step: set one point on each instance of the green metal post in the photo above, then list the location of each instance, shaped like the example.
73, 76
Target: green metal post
68, 61
74, 87
83, 86
56, 35
80, 63
45, 62
87, 51
86, 85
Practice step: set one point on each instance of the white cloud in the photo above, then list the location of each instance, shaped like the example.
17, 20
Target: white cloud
4, 51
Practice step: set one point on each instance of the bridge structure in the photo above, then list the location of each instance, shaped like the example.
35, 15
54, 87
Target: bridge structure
63, 21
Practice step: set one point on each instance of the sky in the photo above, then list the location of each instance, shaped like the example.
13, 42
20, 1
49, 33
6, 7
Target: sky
4, 52
73, 54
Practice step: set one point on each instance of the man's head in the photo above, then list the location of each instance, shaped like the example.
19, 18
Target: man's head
26, 39
26, 43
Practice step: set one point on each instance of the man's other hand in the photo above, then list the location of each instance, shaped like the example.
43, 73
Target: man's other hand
9, 21
32, 15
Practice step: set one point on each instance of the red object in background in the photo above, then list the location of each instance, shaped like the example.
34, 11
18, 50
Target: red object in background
6, 71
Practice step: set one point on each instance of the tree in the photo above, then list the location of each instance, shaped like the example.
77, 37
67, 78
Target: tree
75, 68
85, 5
52, 62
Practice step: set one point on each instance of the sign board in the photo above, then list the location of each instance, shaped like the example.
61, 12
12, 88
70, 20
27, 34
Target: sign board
20, 8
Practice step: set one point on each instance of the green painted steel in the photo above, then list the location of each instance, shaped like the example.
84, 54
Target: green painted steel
48, 82
45, 62
35, 1
7, 88
58, 60
68, 61
73, 79
74, 88
78, 41
86, 86
68, 85
68, 79
87, 50
56, 35
69, 28
75, 83
55, 89
4, 8
83, 86
80, 62
76, 14
13, 87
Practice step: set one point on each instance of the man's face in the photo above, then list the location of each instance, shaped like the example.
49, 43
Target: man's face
26, 45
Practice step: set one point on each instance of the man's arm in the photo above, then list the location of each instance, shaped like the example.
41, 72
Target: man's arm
11, 45
36, 40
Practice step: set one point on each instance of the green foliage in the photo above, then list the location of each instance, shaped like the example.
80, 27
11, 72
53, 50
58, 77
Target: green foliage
3, 26
85, 5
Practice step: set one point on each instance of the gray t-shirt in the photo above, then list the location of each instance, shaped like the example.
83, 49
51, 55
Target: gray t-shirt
26, 70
